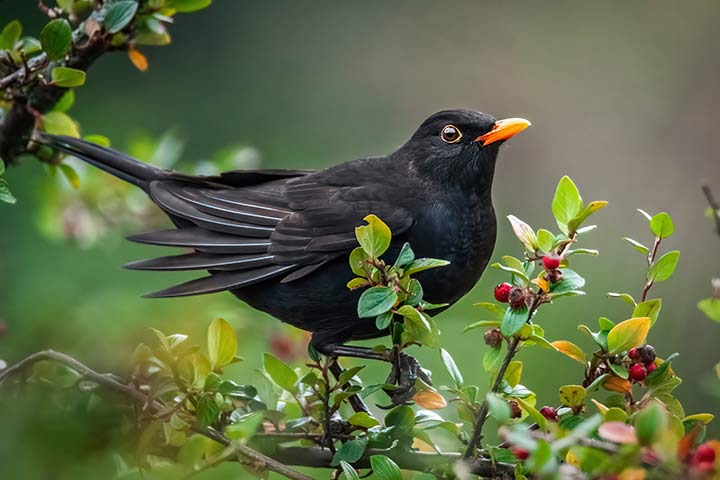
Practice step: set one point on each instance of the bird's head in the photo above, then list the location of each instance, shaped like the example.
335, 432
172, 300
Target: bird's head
460, 144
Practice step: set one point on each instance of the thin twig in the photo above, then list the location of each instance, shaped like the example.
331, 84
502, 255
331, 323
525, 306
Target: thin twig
650, 260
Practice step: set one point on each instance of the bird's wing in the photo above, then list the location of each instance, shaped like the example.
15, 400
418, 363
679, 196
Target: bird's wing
281, 229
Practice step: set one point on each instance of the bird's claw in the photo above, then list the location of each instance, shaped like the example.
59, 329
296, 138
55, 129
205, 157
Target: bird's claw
405, 371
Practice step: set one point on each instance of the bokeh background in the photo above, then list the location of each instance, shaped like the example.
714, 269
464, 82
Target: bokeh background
623, 97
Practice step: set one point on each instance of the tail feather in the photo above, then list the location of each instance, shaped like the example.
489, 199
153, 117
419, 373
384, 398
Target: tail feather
115, 163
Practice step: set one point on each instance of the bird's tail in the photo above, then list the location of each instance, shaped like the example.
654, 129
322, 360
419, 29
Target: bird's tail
115, 163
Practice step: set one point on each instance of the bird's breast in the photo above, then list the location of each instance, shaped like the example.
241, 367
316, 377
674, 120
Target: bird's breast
461, 231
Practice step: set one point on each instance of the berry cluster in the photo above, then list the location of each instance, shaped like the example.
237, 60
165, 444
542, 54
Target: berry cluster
515, 296
643, 362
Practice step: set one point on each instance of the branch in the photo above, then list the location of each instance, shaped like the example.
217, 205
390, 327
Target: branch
108, 381
714, 205
273, 457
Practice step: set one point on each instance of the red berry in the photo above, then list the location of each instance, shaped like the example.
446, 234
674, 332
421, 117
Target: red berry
650, 367
502, 292
551, 261
638, 372
704, 453
520, 453
634, 354
549, 413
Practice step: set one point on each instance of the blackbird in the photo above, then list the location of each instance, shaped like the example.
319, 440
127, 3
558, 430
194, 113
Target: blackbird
279, 239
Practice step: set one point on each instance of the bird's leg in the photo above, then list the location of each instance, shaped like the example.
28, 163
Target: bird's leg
355, 401
405, 369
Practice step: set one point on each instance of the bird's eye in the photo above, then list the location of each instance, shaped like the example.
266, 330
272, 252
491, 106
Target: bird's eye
450, 134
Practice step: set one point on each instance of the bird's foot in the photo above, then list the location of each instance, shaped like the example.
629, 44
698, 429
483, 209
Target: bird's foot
406, 370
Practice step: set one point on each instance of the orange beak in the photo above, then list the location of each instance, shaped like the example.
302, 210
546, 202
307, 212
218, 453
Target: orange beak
503, 129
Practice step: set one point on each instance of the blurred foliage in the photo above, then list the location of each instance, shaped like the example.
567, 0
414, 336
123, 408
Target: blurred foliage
640, 430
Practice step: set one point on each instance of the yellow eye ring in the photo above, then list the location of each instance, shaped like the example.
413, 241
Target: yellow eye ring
450, 134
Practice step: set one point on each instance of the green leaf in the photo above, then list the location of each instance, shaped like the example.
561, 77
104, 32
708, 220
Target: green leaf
283, 376
513, 320
58, 123
498, 408
119, 15
571, 282
405, 257
70, 174
711, 308
497, 311
536, 416
67, 77
649, 308
664, 267
625, 296
358, 261
572, 395
402, 417
605, 323
207, 410
383, 320
419, 327
513, 373
374, 237
567, 203
491, 359
619, 370
362, 419
10, 35
384, 468
451, 368
349, 471
187, 6
662, 225
650, 422
415, 293
5, 194
222, 343
545, 240
101, 140
628, 334
638, 246
482, 324
376, 300
245, 426
65, 102
56, 38
421, 264
589, 209
350, 451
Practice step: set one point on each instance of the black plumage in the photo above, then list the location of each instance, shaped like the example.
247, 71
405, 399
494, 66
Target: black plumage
279, 239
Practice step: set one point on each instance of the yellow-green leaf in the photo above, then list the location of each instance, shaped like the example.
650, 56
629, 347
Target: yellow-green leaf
704, 418
222, 343
572, 395
374, 237
58, 123
571, 350
513, 372
628, 334
71, 175
67, 77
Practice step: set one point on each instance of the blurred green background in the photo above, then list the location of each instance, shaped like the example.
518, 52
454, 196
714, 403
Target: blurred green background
622, 96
